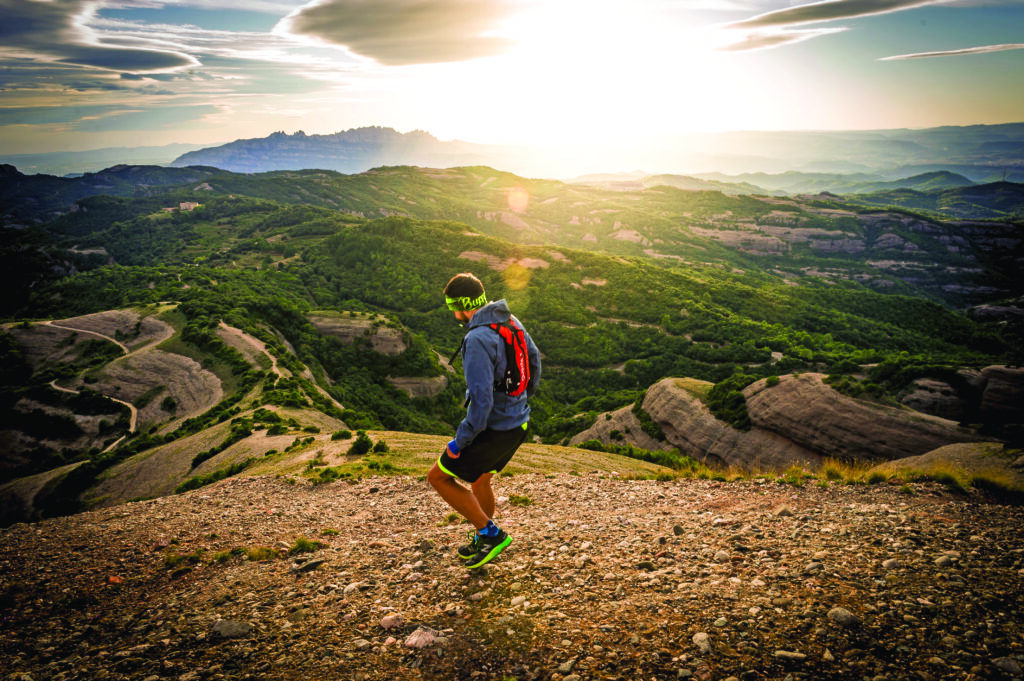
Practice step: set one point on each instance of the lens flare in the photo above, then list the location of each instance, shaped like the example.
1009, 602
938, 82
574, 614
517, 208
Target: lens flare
518, 200
516, 277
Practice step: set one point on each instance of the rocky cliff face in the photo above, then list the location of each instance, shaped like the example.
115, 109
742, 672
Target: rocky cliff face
383, 339
1003, 396
689, 426
420, 387
993, 395
622, 422
799, 421
806, 411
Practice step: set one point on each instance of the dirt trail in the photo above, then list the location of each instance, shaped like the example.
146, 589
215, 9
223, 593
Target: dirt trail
243, 342
131, 424
242, 338
91, 333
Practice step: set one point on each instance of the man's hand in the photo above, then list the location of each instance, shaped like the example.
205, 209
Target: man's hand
451, 454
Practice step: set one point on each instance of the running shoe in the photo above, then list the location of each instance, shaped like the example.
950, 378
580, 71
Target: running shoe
488, 549
471, 549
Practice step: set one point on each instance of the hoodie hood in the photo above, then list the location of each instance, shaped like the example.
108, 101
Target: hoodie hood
491, 313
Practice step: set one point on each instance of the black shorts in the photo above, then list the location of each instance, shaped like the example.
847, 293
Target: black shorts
490, 452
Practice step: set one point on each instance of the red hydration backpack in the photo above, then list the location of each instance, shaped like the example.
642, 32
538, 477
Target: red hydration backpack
517, 358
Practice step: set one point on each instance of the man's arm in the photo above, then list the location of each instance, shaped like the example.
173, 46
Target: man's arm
478, 368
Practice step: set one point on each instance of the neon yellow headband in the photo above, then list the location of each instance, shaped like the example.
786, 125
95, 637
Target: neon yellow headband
465, 303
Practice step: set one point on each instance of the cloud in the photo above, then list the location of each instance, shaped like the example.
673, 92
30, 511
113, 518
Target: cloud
56, 30
770, 28
982, 49
829, 11
762, 40
402, 32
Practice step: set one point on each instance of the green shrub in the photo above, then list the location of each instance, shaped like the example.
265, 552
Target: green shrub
771, 381
260, 553
794, 475
876, 478
362, 444
174, 560
303, 545
218, 475
341, 435
381, 466
381, 447
727, 403
647, 424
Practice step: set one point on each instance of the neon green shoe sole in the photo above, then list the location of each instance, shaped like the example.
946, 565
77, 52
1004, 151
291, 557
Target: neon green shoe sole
490, 547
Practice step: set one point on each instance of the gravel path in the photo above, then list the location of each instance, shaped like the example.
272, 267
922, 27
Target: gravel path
605, 579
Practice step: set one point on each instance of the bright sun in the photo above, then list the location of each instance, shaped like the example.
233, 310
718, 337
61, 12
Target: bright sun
584, 70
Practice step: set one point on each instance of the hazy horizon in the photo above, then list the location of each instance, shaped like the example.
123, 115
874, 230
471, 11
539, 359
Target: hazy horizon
95, 74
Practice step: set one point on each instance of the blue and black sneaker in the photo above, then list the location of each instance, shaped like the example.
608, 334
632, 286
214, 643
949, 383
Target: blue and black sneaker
488, 549
470, 550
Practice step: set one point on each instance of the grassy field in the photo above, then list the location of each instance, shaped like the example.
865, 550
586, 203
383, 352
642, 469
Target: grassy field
414, 454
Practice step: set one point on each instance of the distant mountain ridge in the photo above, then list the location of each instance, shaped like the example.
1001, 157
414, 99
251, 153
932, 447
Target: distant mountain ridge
350, 151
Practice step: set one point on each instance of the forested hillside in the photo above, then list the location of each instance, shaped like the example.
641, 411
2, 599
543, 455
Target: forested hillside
619, 289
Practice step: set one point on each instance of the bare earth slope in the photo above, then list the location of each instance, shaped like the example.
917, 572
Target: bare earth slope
605, 579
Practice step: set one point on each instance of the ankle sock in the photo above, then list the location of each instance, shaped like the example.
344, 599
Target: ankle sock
490, 530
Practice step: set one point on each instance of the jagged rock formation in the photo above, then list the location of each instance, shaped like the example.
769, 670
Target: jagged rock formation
350, 151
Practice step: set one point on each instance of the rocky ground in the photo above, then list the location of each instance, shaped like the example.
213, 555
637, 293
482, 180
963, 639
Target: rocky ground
606, 579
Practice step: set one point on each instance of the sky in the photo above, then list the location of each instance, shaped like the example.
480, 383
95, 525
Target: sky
89, 74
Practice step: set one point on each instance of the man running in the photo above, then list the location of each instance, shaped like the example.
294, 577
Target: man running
497, 416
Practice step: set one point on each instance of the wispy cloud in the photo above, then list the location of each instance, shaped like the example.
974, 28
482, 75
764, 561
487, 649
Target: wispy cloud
763, 40
57, 31
981, 49
829, 11
401, 32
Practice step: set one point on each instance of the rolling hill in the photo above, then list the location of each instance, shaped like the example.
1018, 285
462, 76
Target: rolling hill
304, 303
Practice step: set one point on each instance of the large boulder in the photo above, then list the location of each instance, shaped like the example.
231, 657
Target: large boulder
993, 395
935, 397
620, 427
808, 412
1003, 396
676, 406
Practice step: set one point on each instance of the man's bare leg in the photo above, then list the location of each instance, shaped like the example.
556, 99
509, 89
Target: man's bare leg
484, 494
458, 497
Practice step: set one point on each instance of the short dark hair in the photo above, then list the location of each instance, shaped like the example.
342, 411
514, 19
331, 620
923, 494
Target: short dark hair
464, 285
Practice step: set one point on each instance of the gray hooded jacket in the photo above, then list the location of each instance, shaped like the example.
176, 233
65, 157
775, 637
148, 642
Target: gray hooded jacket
483, 364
